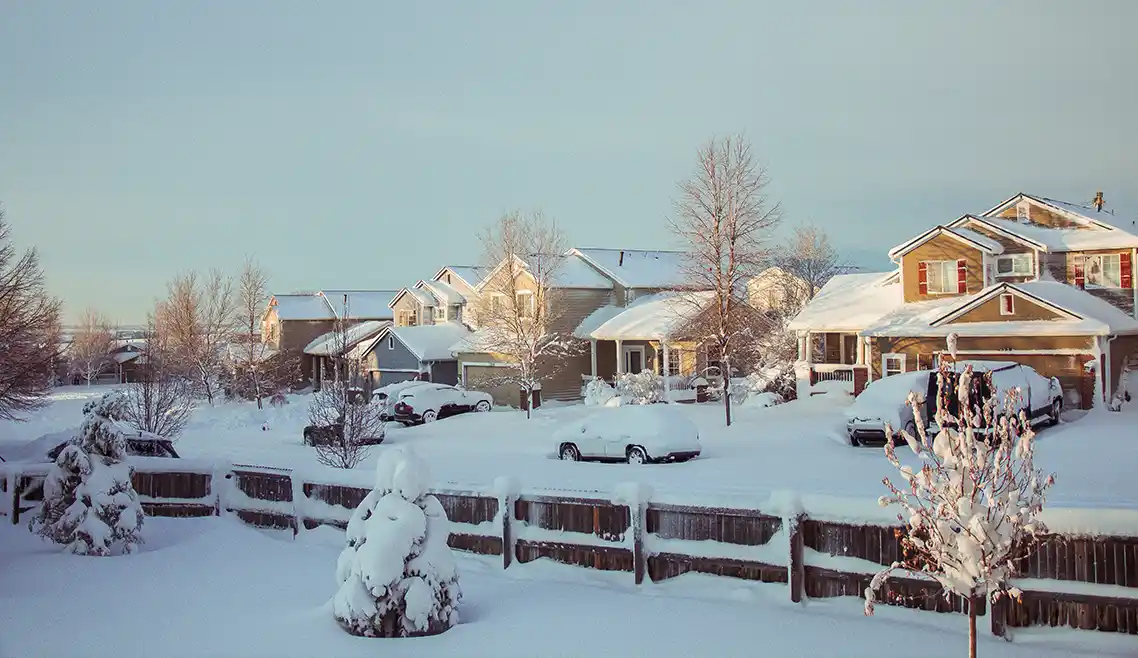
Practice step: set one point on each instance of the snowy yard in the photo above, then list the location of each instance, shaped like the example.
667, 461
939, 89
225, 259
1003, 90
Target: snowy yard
800, 447
213, 587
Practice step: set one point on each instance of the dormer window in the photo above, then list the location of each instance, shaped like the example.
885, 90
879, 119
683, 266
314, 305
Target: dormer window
1014, 265
1023, 211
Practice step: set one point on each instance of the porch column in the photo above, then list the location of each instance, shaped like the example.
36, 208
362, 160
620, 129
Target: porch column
860, 343
667, 388
619, 357
801, 345
808, 348
593, 356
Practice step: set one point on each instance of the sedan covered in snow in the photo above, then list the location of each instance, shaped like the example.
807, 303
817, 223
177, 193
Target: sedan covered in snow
388, 396
885, 402
637, 434
431, 402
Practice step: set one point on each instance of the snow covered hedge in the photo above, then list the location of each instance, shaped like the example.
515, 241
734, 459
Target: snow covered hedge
397, 575
90, 506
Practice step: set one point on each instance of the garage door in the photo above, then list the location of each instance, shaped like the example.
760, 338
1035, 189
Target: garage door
389, 377
477, 378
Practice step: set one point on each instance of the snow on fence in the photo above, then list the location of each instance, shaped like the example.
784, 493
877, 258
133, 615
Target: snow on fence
1079, 580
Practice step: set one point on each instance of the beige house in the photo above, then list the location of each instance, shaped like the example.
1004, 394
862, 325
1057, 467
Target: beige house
1034, 280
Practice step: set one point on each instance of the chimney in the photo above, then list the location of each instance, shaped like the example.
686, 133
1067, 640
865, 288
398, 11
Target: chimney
1098, 201
620, 262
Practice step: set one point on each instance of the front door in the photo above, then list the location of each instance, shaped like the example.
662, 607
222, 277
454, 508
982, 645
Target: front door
633, 359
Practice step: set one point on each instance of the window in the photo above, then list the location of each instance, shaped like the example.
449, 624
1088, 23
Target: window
407, 318
1023, 211
1104, 271
391, 342
448, 278
892, 364
942, 276
1014, 265
496, 303
524, 301
1007, 304
456, 312
440, 314
673, 362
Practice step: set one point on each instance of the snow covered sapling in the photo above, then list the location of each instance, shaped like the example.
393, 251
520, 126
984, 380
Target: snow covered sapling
397, 575
644, 387
90, 506
971, 512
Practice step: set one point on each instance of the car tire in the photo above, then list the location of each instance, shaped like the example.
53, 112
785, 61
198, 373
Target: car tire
430, 416
569, 453
636, 455
482, 406
853, 440
308, 438
1056, 410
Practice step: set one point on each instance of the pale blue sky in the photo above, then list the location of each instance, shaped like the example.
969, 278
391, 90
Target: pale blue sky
363, 144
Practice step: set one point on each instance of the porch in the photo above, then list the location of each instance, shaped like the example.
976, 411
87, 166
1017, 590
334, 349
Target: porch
608, 359
833, 357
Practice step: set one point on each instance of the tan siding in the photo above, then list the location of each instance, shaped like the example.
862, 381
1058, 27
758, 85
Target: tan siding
1121, 298
481, 378
991, 311
941, 248
1010, 246
576, 305
1043, 217
407, 303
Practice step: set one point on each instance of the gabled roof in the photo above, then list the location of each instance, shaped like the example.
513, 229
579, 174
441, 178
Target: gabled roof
362, 304
850, 302
330, 344
428, 342
301, 306
572, 273
422, 296
471, 275
441, 291
653, 317
1108, 218
993, 291
962, 235
637, 268
999, 227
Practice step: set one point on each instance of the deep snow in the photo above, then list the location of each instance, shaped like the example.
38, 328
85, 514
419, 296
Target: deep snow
213, 587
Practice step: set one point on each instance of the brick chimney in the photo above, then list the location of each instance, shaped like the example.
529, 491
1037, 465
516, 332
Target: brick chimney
1098, 202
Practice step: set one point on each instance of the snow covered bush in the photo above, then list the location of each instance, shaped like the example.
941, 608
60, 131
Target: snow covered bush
971, 512
397, 575
598, 393
645, 387
90, 506
768, 380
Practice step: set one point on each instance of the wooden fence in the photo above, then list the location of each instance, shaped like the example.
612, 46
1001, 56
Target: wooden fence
1085, 582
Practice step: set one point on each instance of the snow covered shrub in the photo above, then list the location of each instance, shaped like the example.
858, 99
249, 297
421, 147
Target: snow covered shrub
90, 506
397, 575
159, 403
645, 387
971, 512
598, 393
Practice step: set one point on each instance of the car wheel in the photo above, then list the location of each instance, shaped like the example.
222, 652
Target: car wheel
430, 416
307, 437
636, 455
853, 440
569, 453
1056, 409
482, 406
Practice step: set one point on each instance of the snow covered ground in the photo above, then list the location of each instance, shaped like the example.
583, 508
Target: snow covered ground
799, 446
213, 587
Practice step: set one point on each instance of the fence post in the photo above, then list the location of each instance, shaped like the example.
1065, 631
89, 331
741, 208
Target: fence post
507, 489
639, 512
14, 490
797, 570
298, 503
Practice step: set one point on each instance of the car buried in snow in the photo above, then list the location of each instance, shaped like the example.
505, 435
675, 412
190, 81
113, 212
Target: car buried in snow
388, 396
636, 434
431, 402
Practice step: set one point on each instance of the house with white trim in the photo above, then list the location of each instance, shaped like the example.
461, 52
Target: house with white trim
401, 353
1034, 280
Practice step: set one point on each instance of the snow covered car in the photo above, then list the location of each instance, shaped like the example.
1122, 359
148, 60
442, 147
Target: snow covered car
315, 435
389, 395
636, 434
431, 402
885, 401
47, 447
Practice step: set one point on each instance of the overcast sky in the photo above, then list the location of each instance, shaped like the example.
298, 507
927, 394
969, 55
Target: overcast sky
363, 144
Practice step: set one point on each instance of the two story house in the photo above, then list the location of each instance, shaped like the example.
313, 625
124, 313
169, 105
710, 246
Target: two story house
1035, 280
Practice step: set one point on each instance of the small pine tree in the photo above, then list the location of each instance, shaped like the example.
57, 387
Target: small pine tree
90, 506
397, 575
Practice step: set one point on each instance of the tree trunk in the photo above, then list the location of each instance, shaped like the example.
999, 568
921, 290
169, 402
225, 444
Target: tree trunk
726, 368
973, 602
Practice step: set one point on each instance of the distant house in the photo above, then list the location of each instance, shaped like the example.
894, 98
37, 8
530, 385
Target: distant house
443, 298
330, 352
294, 321
399, 353
1033, 280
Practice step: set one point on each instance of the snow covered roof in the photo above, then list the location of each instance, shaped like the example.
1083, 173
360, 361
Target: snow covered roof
301, 306
429, 342
1065, 239
362, 304
329, 344
478, 341
470, 274
964, 235
576, 273
594, 320
442, 292
1084, 213
123, 357
650, 318
637, 268
850, 302
424, 297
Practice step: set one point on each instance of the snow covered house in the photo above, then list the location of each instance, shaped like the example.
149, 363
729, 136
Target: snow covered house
1042, 282
399, 353
292, 322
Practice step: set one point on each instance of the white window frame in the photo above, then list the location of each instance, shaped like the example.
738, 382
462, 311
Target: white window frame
1024, 259
1007, 304
1023, 211
885, 371
951, 264
628, 350
497, 302
1102, 260
526, 309
408, 317
391, 342
440, 316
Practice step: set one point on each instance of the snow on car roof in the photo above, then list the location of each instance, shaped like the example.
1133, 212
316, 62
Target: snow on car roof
638, 268
850, 302
653, 317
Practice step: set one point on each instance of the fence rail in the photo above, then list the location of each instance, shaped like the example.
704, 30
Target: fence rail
1085, 582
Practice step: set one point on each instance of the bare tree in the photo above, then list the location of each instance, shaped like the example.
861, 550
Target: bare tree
809, 261
91, 345
30, 335
161, 401
343, 423
518, 311
252, 299
725, 218
201, 318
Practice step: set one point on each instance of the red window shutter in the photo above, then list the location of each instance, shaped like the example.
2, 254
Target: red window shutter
1126, 269
1080, 277
923, 277
962, 276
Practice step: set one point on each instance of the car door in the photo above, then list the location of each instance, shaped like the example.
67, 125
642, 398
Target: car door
589, 442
